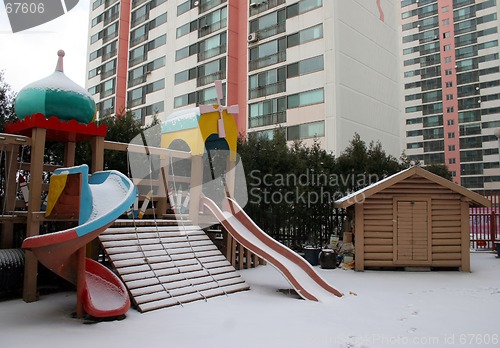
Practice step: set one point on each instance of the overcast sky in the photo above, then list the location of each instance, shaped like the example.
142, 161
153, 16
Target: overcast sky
31, 54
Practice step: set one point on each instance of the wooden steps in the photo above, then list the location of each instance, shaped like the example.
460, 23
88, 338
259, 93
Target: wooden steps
164, 266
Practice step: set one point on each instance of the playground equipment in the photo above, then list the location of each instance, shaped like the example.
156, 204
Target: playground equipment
162, 262
300, 274
98, 200
206, 129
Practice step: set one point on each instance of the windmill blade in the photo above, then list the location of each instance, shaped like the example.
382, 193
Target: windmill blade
221, 129
205, 109
233, 109
218, 90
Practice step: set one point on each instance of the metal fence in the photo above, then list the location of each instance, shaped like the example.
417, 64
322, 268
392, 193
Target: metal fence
484, 225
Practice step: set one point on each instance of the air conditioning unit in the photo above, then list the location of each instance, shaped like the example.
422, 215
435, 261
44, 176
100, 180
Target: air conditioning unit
253, 37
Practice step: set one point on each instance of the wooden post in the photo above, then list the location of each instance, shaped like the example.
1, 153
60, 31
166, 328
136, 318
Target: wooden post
97, 144
97, 165
161, 204
359, 235
80, 281
230, 176
465, 231
7, 235
195, 188
69, 154
33, 225
240, 256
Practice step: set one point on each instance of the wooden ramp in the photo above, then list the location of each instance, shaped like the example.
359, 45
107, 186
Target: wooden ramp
164, 266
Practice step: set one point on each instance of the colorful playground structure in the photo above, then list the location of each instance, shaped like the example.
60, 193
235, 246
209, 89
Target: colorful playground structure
164, 259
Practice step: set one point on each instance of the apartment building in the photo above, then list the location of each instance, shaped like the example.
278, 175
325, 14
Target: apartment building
314, 68
451, 73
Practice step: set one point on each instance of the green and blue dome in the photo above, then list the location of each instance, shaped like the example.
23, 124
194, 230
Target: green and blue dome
56, 95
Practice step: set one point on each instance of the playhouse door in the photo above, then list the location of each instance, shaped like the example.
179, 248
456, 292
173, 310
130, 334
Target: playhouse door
412, 239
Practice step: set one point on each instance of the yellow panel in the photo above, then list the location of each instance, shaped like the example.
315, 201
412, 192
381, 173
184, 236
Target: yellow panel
56, 187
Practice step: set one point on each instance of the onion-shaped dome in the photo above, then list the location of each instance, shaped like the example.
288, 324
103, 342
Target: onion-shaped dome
56, 95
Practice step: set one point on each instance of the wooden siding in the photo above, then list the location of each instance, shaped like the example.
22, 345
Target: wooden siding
442, 245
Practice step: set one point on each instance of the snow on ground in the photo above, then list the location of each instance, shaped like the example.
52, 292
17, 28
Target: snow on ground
384, 309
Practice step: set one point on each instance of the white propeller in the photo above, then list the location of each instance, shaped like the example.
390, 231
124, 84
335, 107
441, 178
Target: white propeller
233, 109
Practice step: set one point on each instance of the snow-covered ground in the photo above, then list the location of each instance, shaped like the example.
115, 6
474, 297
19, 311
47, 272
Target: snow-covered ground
380, 309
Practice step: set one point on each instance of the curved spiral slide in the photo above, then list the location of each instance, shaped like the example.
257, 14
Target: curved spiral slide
299, 273
98, 201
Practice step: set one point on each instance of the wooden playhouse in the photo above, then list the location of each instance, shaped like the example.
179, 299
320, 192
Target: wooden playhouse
413, 218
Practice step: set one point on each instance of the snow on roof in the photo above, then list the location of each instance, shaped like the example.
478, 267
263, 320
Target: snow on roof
364, 189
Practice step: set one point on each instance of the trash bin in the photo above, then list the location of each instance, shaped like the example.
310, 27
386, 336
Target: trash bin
328, 259
497, 247
311, 254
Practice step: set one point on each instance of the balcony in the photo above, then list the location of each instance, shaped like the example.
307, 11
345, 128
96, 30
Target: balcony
261, 6
139, 20
208, 29
272, 30
211, 52
108, 55
111, 18
262, 91
138, 40
205, 80
207, 5
267, 60
266, 120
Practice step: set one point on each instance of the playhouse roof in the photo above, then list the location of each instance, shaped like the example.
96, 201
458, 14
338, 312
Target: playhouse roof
360, 195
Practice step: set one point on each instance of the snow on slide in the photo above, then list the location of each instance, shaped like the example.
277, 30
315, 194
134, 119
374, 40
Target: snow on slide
103, 198
301, 275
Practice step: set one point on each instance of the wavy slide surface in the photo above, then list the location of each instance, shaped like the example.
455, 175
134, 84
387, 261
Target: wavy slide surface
301, 275
103, 198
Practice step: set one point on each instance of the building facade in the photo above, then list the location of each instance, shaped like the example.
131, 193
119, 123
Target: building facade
314, 68
452, 87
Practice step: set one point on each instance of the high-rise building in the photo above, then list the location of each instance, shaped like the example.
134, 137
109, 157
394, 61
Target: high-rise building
315, 68
452, 87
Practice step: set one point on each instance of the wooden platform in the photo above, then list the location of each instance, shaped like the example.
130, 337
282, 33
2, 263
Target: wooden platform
164, 266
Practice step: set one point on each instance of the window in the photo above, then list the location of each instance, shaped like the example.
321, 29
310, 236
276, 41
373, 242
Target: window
447, 47
209, 72
269, 25
305, 66
449, 84
106, 107
446, 21
446, 35
302, 7
315, 96
448, 72
269, 53
267, 112
213, 21
451, 147
445, 9
447, 59
452, 160
450, 109
307, 130
450, 122
451, 135
305, 35
449, 97
267, 82
211, 47
186, 29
